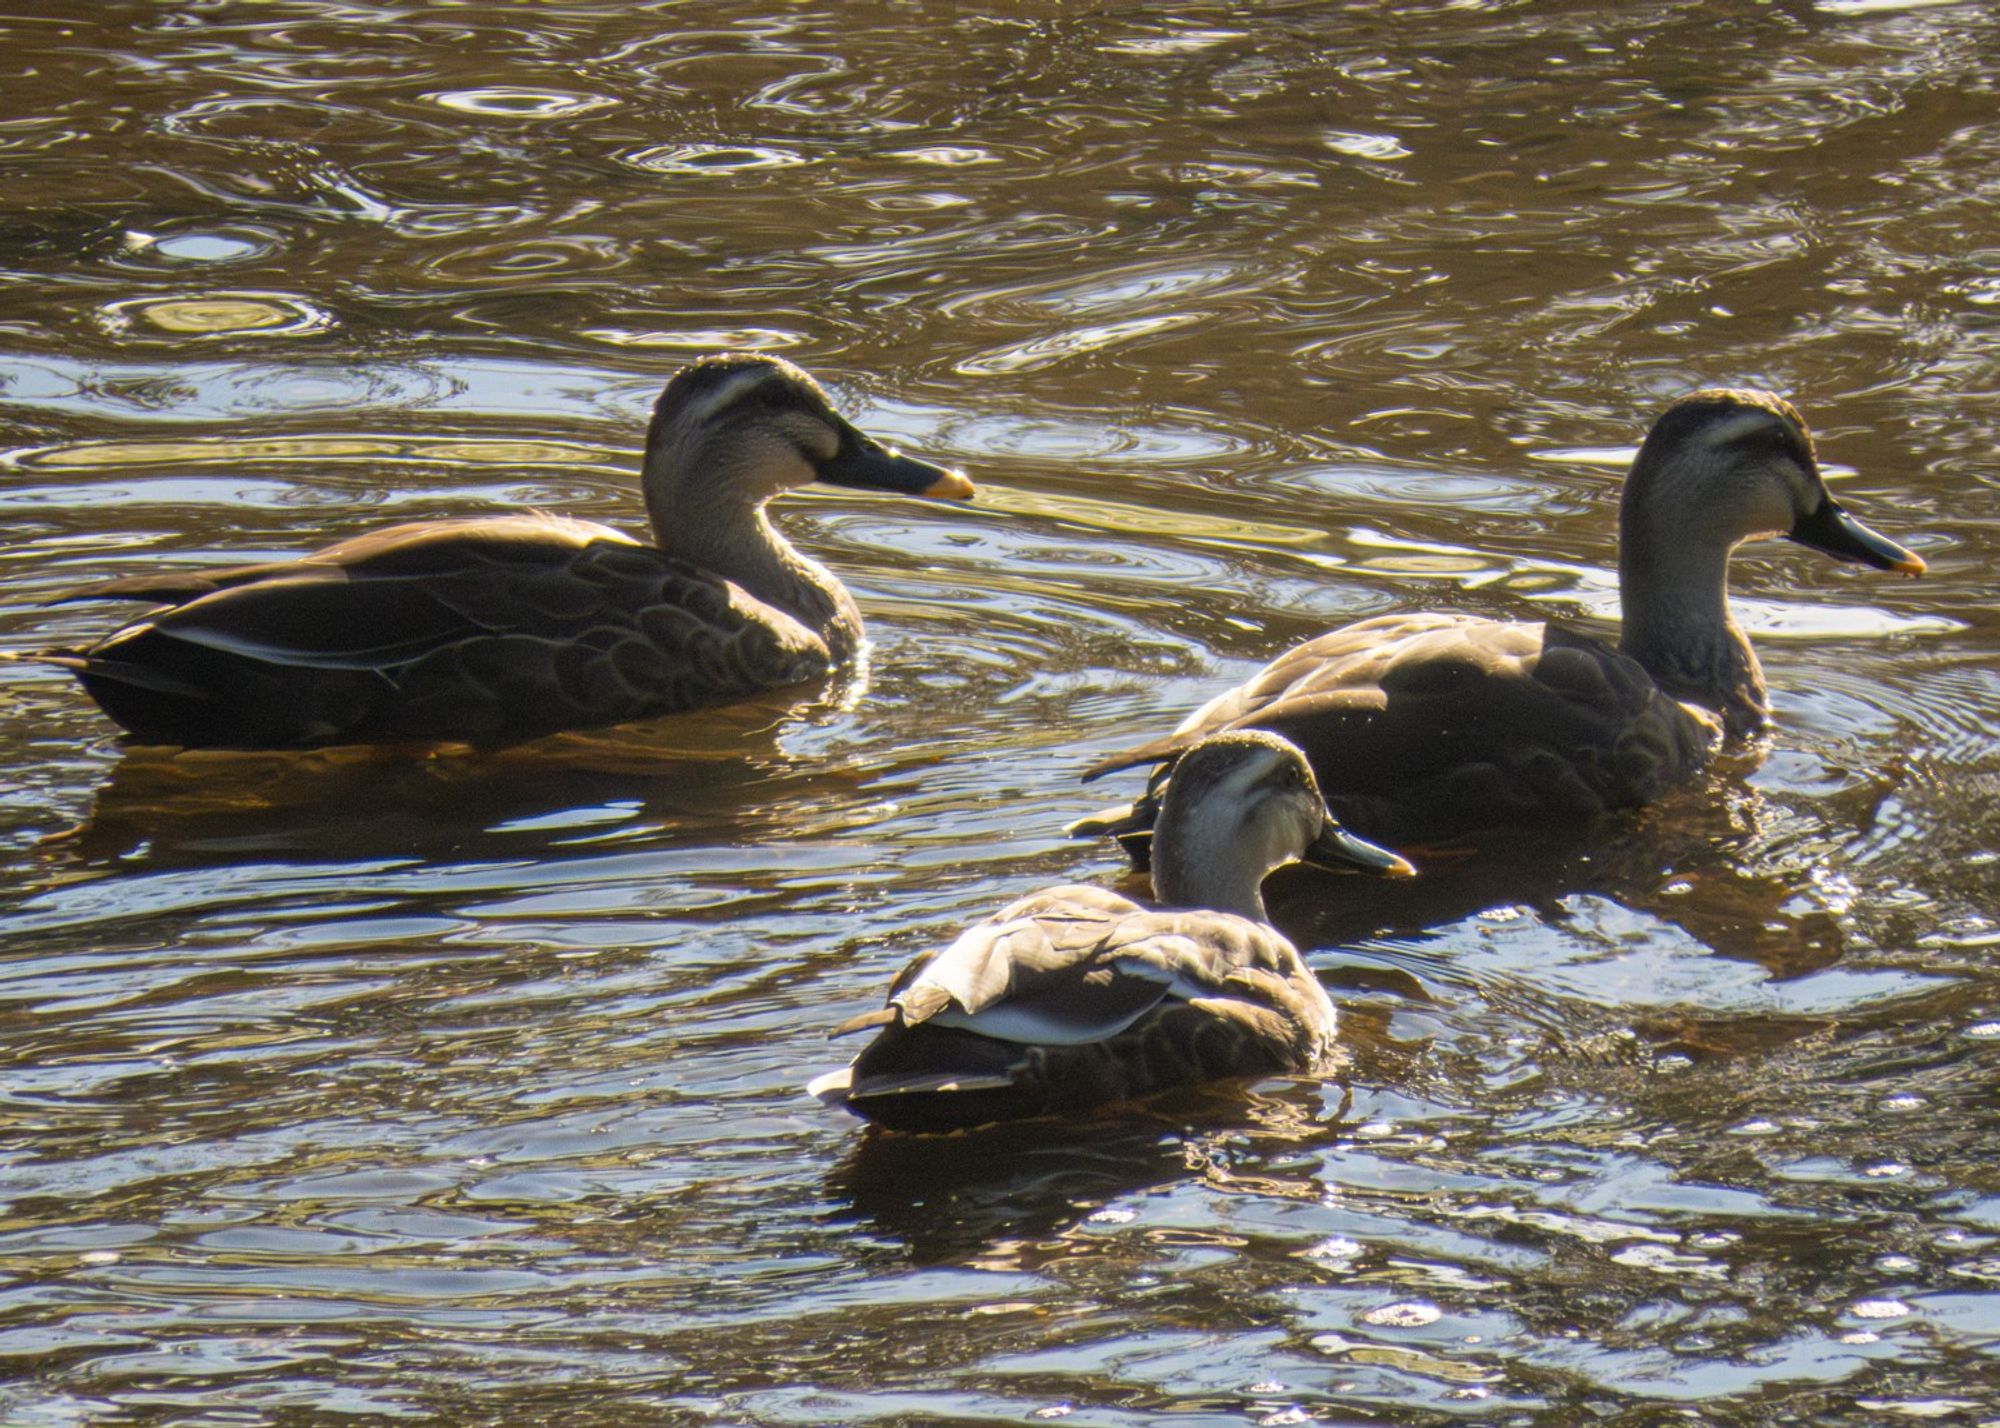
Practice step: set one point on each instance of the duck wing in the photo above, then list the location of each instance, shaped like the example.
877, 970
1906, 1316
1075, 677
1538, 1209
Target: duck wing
486, 631
415, 548
1076, 998
1418, 725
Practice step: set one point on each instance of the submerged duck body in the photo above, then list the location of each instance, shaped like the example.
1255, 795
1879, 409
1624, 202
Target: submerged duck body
1075, 997
1424, 725
496, 629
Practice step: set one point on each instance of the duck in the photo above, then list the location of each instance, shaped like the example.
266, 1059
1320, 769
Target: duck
496, 629
1424, 726
1077, 997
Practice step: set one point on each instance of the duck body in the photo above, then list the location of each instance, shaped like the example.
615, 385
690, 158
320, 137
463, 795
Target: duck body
1075, 997
492, 630
479, 631
1425, 725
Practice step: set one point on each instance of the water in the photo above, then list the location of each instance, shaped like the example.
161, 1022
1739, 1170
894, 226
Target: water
345, 1088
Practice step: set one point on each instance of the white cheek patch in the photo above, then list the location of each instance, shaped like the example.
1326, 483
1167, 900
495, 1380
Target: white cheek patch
1800, 492
1235, 786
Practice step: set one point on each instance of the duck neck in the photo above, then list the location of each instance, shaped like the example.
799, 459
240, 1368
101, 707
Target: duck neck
721, 529
1220, 874
1673, 591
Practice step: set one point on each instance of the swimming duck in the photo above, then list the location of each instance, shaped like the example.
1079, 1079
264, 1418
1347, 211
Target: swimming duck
1075, 996
1424, 725
495, 629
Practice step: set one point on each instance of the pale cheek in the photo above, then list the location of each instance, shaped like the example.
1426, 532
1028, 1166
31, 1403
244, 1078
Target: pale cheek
1773, 505
776, 466
808, 435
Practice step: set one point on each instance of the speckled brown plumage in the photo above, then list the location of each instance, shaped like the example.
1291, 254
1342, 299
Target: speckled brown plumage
1074, 996
498, 629
1419, 726
1100, 968
494, 630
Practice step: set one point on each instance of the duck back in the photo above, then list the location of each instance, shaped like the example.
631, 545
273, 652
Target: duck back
485, 631
1420, 726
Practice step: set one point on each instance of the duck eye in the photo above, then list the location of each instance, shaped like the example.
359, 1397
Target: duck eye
1766, 442
811, 435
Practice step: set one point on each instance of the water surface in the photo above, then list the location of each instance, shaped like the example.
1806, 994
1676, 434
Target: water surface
345, 1088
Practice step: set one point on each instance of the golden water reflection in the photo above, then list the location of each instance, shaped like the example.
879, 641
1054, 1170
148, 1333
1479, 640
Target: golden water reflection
466, 1087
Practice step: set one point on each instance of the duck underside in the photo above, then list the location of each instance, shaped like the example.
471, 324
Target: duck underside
929, 1078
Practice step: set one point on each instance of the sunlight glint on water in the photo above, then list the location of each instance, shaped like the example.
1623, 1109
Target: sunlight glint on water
353, 1086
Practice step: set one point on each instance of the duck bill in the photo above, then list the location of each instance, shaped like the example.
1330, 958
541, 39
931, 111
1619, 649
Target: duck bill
1338, 850
866, 463
1832, 530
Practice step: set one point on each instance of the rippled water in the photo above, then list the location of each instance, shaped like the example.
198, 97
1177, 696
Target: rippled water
345, 1088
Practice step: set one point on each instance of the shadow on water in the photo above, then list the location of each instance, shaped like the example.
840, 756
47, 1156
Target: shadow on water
1003, 1187
1691, 863
719, 769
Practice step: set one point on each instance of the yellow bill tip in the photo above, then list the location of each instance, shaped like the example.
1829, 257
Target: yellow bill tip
952, 486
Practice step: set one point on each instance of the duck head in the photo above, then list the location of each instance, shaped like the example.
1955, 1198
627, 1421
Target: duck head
1240, 806
1718, 468
741, 427
1727, 465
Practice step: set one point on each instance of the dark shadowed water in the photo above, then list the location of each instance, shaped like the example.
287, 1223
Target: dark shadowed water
344, 1089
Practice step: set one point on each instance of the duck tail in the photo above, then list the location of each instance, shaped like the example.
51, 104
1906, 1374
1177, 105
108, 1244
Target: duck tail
1113, 822
1130, 823
928, 1078
174, 589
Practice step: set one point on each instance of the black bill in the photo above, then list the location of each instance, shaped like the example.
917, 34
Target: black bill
1832, 530
865, 462
1338, 850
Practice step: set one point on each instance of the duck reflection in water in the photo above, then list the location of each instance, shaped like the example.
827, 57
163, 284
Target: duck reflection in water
1013, 1195
717, 775
1075, 997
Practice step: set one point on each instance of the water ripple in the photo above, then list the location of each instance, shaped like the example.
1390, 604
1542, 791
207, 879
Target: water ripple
358, 1084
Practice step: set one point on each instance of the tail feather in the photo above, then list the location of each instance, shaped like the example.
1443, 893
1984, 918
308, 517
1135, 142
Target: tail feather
943, 1083
1158, 751
930, 1105
126, 672
1113, 822
1130, 823
909, 1098
881, 1016
153, 589
928, 1078
832, 1088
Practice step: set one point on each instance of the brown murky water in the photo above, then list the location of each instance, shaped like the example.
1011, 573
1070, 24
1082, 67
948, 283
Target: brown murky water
342, 1090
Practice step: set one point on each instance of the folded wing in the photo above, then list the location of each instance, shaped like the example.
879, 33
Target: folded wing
488, 630
1076, 997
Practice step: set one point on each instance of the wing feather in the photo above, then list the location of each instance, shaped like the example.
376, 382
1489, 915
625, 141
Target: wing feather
1420, 725
1076, 997
490, 630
